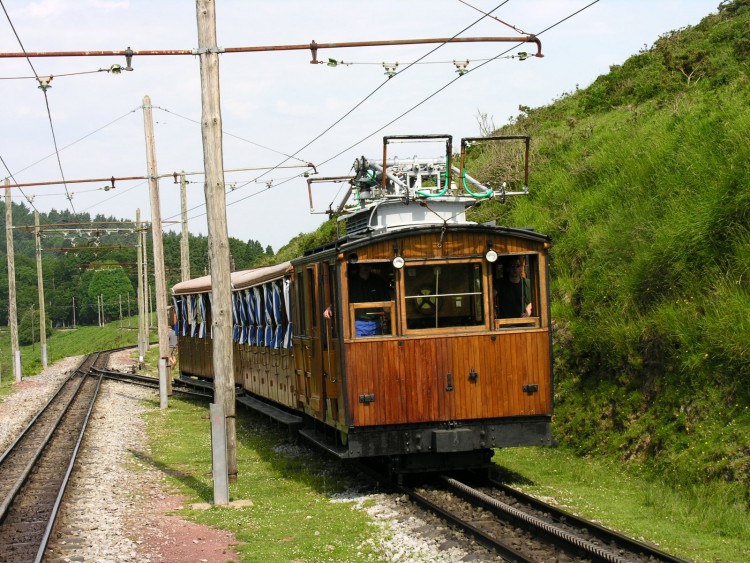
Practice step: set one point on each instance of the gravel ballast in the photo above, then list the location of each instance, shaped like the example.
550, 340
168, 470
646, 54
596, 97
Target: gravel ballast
117, 505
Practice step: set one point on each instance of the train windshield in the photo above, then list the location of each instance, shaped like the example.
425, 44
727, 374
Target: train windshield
442, 296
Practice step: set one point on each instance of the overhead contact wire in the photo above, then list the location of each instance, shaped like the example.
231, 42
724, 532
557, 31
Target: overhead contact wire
46, 102
10, 175
349, 113
433, 94
415, 106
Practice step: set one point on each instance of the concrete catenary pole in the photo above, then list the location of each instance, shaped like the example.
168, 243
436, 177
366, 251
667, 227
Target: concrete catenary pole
160, 285
218, 236
12, 312
40, 290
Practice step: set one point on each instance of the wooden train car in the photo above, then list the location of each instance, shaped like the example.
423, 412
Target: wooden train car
418, 336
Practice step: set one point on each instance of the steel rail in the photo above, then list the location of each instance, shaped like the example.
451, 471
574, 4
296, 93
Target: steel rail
485, 539
63, 486
40, 413
24, 475
605, 534
558, 534
149, 382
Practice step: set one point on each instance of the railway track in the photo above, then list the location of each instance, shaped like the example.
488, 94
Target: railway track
178, 386
37, 466
521, 528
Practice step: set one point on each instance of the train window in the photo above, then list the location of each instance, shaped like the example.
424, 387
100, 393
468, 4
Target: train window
300, 310
515, 290
370, 299
442, 296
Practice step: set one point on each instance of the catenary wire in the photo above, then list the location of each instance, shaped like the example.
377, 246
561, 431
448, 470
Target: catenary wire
415, 106
339, 120
10, 175
79, 140
419, 103
231, 135
46, 103
513, 27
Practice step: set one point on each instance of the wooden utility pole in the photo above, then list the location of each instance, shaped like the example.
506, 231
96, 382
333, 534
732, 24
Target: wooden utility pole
218, 236
12, 312
146, 300
40, 290
160, 285
141, 312
146, 287
184, 241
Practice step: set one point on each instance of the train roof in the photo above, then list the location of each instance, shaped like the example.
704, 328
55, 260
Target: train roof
350, 242
239, 280
249, 278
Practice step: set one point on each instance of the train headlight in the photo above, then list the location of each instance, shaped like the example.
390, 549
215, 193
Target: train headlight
398, 262
491, 256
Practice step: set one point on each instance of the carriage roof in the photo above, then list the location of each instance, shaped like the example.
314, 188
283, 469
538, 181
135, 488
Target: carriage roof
240, 280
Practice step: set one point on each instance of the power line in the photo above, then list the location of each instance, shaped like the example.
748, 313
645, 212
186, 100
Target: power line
114, 69
44, 85
231, 135
513, 27
10, 175
373, 92
351, 110
427, 98
80, 139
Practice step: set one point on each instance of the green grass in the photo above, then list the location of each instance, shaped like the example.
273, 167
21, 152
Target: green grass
292, 517
700, 523
641, 182
63, 344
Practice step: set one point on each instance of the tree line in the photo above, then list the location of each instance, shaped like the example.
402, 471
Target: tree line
91, 259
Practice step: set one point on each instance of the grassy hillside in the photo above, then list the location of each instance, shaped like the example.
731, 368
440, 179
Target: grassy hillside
643, 182
63, 344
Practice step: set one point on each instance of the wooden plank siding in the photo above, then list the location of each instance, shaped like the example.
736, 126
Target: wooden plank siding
454, 244
408, 378
196, 356
263, 371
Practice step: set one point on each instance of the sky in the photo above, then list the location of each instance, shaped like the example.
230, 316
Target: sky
278, 109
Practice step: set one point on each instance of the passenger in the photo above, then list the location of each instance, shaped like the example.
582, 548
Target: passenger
172, 347
513, 291
366, 287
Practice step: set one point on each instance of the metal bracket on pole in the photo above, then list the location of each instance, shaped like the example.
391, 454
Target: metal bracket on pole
219, 454
163, 404
205, 50
17, 365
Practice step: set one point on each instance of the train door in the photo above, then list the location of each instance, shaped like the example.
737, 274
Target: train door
307, 342
330, 348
